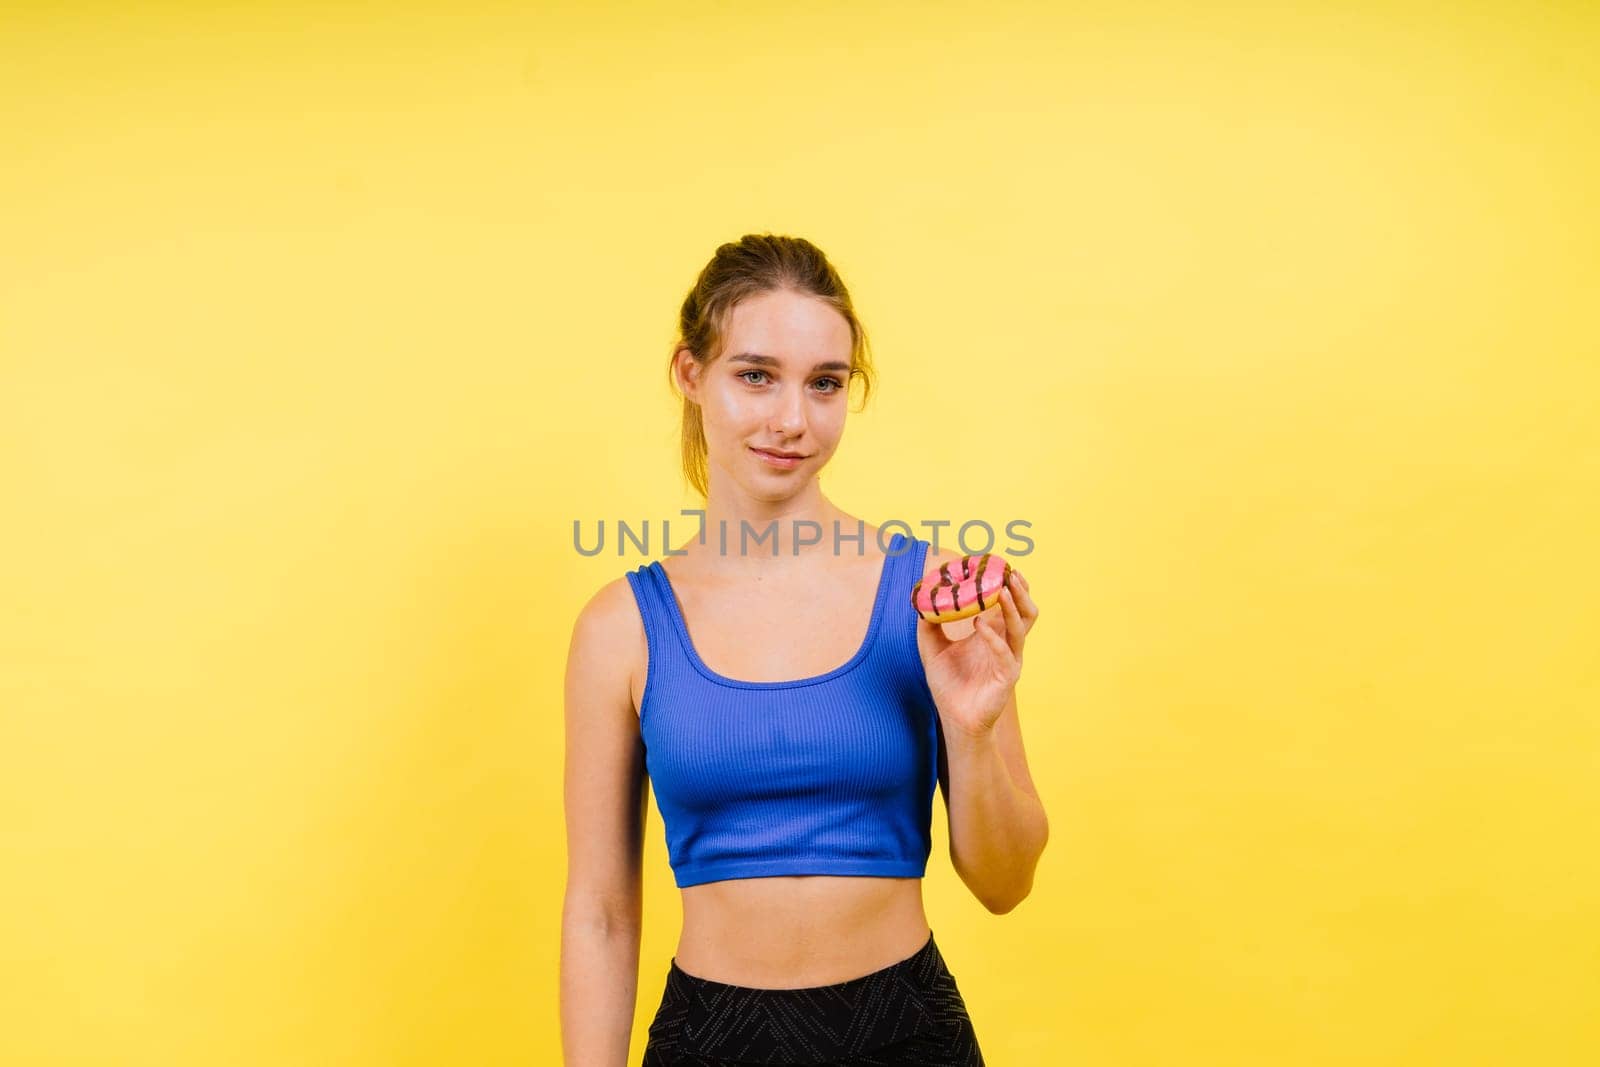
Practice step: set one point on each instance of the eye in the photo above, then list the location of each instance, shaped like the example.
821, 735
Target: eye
835, 383
745, 375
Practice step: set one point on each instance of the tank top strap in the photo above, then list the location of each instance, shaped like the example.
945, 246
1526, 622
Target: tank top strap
903, 559
650, 591
898, 564
908, 567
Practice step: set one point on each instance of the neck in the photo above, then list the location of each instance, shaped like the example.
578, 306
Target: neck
742, 532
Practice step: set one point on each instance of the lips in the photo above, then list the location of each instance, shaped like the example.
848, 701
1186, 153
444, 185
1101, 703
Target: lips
781, 455
777, 462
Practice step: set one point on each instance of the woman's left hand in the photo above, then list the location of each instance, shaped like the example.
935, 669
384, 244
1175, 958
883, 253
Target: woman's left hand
972, 678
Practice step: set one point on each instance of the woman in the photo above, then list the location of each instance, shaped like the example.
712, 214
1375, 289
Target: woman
792, 712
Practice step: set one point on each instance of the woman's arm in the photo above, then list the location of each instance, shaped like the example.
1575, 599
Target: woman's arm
604, 801
998, 825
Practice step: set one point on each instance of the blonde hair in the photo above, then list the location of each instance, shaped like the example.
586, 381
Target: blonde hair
754, 264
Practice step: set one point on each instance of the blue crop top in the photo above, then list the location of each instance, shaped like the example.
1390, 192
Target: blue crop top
831, 774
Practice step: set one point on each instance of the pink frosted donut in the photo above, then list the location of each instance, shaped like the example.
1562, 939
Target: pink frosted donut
953, 591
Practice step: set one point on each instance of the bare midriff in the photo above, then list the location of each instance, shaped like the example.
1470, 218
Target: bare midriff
791, 932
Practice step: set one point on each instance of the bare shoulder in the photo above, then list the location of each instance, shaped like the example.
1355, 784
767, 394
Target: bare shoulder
608, 641
944, 555
611, 605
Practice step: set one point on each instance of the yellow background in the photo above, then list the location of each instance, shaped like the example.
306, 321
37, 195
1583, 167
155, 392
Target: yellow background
320, 324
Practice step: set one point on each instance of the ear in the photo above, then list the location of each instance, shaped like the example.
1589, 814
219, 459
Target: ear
686, 369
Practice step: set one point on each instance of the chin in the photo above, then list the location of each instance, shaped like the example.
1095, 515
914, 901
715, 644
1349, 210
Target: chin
775, 487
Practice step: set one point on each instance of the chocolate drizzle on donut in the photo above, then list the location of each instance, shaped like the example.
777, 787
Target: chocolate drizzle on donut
978, 586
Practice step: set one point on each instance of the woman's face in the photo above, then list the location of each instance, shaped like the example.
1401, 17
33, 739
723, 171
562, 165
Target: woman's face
779, 386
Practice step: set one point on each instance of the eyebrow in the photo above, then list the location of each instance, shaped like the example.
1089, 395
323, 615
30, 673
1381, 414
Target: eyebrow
768, 361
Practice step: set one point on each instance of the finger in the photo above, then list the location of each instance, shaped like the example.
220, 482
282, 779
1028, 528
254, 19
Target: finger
991, 636
1025, 603
1016, 629
931, 634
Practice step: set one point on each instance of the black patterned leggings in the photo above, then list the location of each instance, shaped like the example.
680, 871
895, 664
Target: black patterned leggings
907, 1013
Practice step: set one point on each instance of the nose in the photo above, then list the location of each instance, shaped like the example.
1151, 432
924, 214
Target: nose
789, 413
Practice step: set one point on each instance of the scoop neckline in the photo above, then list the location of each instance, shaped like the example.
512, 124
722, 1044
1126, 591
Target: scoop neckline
873, 625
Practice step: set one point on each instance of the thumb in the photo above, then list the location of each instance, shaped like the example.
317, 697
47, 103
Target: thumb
931, 638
